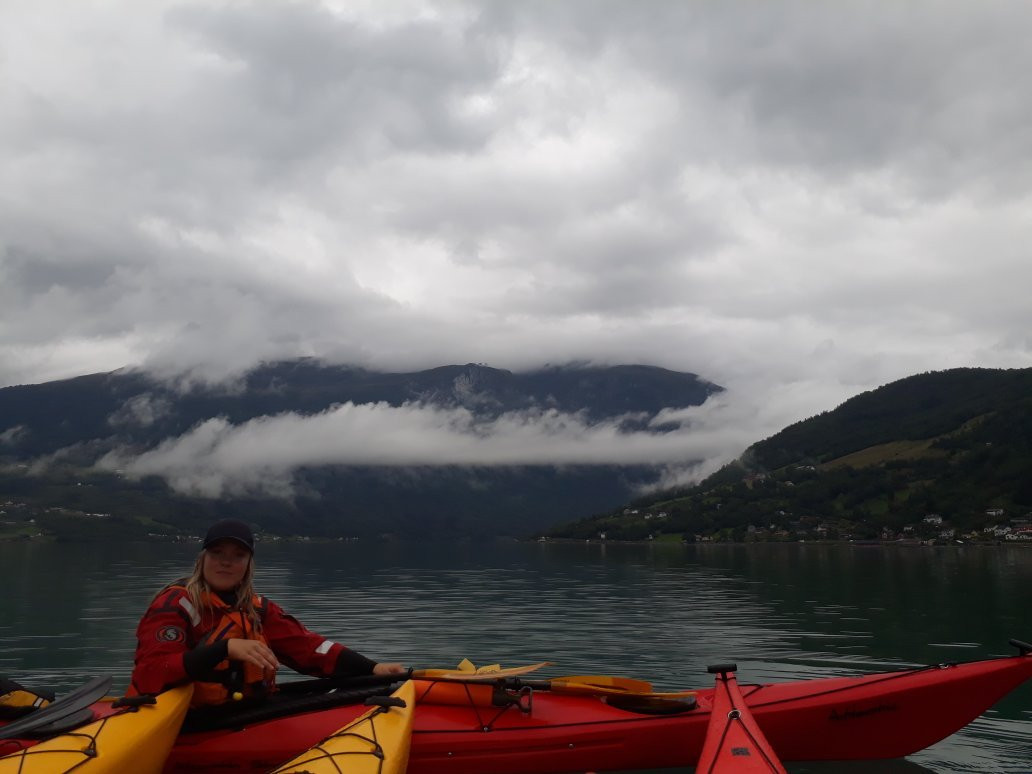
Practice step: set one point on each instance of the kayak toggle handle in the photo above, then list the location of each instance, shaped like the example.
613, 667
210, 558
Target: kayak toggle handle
1024, 648
721, 669
385, 701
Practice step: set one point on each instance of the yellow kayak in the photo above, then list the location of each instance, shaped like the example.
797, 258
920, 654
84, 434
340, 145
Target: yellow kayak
136, 739
374, 743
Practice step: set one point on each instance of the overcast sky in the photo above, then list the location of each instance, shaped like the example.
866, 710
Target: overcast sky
796, 200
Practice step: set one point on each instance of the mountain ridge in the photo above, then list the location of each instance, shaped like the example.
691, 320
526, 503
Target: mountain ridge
71, 424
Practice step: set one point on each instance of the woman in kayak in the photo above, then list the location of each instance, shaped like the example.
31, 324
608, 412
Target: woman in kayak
213, 629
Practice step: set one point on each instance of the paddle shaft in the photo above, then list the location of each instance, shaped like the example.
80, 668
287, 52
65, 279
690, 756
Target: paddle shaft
590, 685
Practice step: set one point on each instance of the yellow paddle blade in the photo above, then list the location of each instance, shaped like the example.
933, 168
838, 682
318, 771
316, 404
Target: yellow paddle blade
477, 675
467, 666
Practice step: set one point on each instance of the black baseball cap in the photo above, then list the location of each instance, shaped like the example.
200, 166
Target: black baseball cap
230, 529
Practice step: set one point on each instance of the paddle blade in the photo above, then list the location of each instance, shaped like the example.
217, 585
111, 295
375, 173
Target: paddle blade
476, 675
467, 666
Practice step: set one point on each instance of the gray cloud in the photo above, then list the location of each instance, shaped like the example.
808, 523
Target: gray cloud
798, 202
913, 89
305, 82
12, 434
141, 411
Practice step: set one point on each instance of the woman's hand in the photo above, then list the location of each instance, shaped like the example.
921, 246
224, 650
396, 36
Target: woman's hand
389, 668
253, 652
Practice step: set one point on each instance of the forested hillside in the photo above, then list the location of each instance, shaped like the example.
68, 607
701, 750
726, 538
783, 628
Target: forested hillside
937, 456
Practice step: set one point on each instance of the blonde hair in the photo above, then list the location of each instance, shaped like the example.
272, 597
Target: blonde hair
196, 587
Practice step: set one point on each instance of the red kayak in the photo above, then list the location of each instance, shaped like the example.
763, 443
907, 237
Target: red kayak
734, 742
516, 726
461, 730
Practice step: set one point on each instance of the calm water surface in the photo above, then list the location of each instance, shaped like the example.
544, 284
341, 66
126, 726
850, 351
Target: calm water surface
649, 611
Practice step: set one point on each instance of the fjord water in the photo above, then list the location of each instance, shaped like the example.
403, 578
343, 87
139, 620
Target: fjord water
658, 612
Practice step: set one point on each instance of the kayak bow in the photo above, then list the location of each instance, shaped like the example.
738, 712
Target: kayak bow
734, 742
374, 743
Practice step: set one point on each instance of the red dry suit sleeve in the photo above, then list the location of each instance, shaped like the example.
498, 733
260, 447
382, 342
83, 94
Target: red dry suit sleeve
161, 642
307, 652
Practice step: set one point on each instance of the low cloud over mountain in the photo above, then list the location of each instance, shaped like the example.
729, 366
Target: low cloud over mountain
269, 434
217, 458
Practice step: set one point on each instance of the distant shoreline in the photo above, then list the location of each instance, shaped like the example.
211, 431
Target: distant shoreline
394, 538
865, 543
